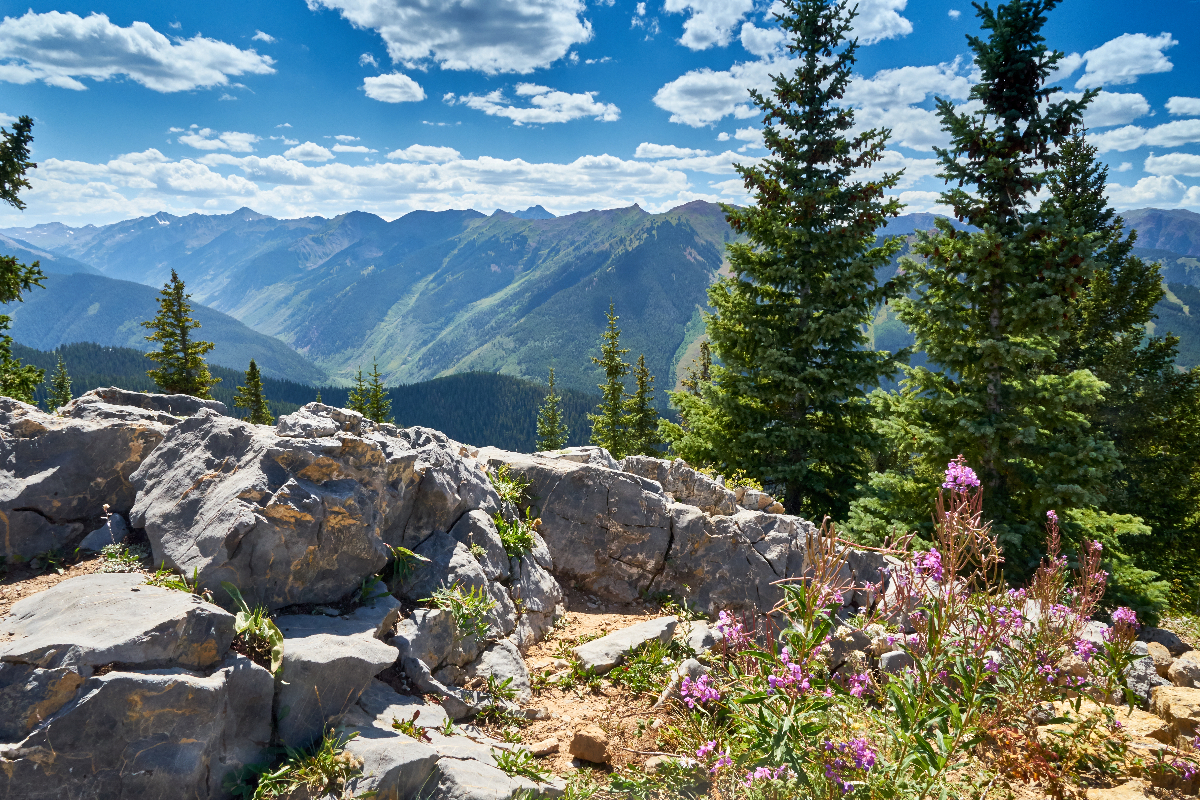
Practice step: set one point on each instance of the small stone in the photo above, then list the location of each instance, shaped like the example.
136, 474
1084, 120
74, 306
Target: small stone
536, 713
590, 744
560, 663
1162, 657
544, 747
656, 724
653, 763
895, 661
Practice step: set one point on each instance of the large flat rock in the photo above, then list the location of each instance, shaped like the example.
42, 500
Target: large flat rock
101, 619
601, 655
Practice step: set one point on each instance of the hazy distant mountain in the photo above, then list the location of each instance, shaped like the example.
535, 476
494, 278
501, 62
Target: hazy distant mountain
437, 293
92, 308
49, 262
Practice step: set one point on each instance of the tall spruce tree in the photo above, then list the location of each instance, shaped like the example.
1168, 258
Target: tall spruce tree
1151, 410
377, 406
251, 398
608, 423
17, 380
181, 367
791, 360
994, 306
60, 387
641, 417
551, 429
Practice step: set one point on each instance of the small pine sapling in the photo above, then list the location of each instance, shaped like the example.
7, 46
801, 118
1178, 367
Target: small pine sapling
250, 397
641, 417
60, 387
608, 423
181, 367
551, 429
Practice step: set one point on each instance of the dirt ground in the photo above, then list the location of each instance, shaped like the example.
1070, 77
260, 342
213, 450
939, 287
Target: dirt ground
22, 580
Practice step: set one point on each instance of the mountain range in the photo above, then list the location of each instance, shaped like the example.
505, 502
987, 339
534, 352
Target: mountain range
437, 293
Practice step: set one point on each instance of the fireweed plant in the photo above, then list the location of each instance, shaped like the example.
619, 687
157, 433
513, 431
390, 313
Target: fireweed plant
974, 662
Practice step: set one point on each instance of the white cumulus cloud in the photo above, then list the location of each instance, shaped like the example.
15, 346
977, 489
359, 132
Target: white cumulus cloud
1174, 164
709, 22
650, 150
546, 105
704, 96
367, 60
393, 87
1125, 58
59, 49
1184, 106
309, 151
762, 42
352, 148
1157, 190
1111, 108
1170, 134
880, 19
425, 153
491, 37
259, 36
208, 139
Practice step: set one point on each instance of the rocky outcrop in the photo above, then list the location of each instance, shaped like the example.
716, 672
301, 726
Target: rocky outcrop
57, 473
601, 655
620, 535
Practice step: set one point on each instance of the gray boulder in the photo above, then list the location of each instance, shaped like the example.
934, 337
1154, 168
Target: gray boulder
1175, 646
101, 619
895, 661
732, 561
57, 473
147, 735
587, 454
395, 766
702, 637
539, 597
428, 635
327, 663
601, 655
477, 528
285, 520
684, 484
608, 531
451, 564
113, 531
468, 779
1142, 678
1185, 671
502, 660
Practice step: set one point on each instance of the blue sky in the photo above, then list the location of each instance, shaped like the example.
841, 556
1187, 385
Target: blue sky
326, 106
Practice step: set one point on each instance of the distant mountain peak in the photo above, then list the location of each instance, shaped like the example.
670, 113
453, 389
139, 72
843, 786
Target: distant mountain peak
533, 212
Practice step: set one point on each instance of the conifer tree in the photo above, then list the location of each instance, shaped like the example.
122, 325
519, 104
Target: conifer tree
994, 306
641, 417
551, 430
181, 367
250, 397
1150, 410
60, 387
791, 364
318, 396
17, 380
357, 400
377, 405
608, 424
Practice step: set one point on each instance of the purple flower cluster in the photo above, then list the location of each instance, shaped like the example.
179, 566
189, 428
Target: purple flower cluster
859, 684
960, 477
1125, 616
707, 749
1050, 515
930, 564
790, 674
1085, 650
734, 632
765, 774
855, 754
698, 691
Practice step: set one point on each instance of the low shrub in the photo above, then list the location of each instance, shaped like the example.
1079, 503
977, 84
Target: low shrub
469, 608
